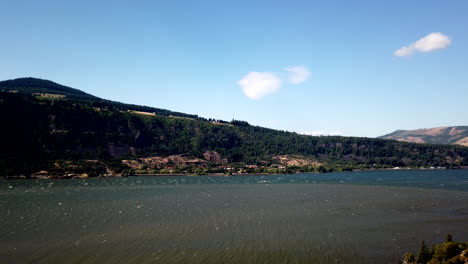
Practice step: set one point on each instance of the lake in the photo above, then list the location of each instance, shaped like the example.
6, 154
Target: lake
352, 217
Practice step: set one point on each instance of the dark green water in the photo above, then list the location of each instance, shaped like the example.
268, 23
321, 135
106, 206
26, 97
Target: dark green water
358, 217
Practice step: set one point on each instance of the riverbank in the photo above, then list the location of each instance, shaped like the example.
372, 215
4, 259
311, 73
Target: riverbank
84, 176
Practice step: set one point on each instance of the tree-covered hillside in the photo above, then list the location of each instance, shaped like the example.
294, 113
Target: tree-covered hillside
34, 86
41, 131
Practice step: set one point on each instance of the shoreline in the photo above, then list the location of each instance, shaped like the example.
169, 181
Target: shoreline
215, 174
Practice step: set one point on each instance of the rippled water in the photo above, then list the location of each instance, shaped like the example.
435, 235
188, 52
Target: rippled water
357, 217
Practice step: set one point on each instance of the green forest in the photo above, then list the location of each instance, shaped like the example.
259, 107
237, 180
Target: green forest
41, 130
448, 252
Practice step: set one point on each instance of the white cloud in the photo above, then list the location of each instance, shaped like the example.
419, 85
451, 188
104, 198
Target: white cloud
404, 51
323, 133
255, 85
297, 74
431, 42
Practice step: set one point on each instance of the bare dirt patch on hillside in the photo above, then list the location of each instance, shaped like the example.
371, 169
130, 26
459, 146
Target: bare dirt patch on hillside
164, 162
463, 142
296, 160
141, 113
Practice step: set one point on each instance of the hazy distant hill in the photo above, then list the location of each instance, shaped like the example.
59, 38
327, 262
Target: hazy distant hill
440, 135
50, 129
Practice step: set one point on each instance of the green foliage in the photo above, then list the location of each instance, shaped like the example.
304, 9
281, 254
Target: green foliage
200, 171
423, 255
29, 86
81, 126
239, 123
448, 238
410, 258
449, 252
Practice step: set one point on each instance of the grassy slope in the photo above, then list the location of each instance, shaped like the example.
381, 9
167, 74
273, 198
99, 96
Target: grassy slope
442, 135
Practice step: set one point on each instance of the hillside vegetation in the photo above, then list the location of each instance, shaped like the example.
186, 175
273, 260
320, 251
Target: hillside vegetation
448, 252
80, 134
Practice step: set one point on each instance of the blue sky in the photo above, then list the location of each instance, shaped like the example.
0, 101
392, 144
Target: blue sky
191, 56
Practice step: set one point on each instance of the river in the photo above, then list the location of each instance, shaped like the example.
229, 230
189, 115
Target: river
352, 217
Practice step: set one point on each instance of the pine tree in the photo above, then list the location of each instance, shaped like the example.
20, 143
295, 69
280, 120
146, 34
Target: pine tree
423, 255
410, 258
448, 238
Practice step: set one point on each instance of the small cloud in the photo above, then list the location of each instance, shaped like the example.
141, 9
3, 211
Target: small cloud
431, 42
404, 51
297, 74
255, 85
323, 133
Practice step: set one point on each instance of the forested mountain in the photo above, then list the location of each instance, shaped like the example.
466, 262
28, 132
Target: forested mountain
48, 89
59, 130
438, 135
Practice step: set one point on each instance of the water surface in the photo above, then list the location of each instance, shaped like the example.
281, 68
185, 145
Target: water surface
356, 217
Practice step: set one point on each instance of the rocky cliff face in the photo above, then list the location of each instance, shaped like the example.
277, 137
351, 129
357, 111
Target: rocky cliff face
440, 135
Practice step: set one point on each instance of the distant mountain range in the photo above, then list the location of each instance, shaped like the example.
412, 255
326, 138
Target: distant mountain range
51, 130
457, 135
